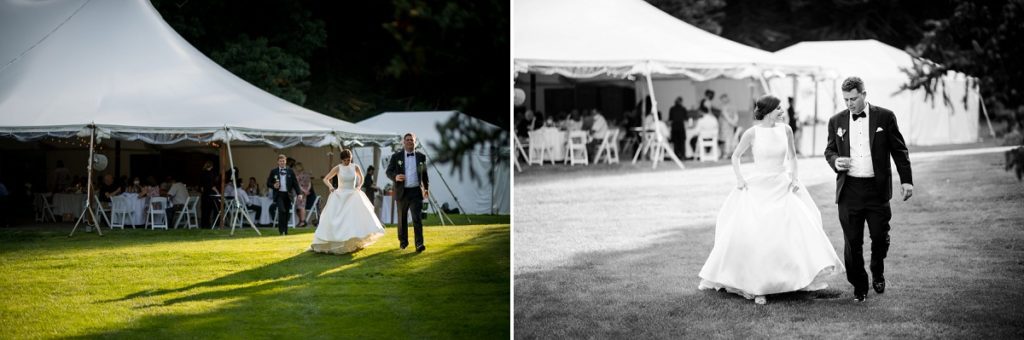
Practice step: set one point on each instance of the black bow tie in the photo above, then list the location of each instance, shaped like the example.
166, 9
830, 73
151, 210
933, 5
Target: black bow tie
410, 155
859, 115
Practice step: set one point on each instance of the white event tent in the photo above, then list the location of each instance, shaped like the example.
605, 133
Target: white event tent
116, 69
481, 197
594, 39
923, 121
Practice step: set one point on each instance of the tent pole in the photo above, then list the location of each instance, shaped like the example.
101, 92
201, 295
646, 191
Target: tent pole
814, 125
441, 213
985, 111
239, 209
662, 143
88, 188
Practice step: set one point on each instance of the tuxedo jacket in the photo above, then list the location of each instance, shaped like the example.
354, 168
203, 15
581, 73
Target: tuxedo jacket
292, 185
885, 141
396, 166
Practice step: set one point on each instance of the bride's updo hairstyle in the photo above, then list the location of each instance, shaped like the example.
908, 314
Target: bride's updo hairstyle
345, 154
764, 106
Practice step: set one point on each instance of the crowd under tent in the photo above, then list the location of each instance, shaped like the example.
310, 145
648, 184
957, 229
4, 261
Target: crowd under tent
622, 45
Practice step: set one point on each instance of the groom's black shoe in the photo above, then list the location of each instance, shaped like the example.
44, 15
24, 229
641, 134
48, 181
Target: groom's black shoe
403, 245
879, 286
859, 297
420, 248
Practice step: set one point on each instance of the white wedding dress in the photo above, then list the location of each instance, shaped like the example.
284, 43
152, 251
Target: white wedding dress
347, 223
769, 239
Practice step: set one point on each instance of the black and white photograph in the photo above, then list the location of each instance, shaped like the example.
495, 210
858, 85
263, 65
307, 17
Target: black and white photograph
767, 169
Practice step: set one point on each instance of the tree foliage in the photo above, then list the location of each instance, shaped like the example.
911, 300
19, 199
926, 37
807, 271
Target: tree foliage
461, 137
982, 39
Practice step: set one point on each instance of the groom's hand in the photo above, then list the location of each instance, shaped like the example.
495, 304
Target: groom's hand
908, 190
400, 178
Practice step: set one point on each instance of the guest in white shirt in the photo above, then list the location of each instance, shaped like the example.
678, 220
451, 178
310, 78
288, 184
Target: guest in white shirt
707, 124
179, 195
598, 129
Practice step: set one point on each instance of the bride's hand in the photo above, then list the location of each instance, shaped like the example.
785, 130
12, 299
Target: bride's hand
741, 184
794, 185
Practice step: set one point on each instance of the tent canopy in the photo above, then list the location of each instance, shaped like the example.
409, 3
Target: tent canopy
475, 197
923, 120
66, 66
589, 38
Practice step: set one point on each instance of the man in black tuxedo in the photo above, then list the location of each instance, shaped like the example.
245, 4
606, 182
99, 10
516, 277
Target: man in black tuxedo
208, 184
282, 182
861, 140
408, 170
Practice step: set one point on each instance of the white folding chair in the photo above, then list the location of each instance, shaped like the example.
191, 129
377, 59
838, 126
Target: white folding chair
157, 213
102, 212
577, 148
314, 212
119, 212
707, 146
609, 149
519, 148
43, 207
538, 148
188, 212
291, 221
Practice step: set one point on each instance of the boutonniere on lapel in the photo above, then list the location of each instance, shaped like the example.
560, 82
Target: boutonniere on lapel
421, 167
840, 132
400, 162
879, 129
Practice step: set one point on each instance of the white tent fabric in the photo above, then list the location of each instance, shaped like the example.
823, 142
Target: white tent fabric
590, 38
923, 121
475, 197
117, 65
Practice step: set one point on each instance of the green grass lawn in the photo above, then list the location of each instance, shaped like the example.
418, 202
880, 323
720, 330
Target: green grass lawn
207, 284
955, 268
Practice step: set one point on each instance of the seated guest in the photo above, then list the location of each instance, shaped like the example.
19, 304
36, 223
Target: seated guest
253, 188
178, 194
135, 187
241, 196
108, 188
150, 189
706, 124
598, 129
530, 122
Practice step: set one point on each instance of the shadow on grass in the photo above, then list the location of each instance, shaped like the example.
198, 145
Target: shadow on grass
456, 291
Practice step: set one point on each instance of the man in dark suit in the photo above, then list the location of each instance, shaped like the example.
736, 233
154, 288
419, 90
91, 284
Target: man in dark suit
208, 182
678, 115
861, 140
282, 182
408, 170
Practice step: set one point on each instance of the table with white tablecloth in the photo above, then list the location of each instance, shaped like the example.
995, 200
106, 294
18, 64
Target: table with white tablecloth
264, 203
551, 139
137, 206
68, 204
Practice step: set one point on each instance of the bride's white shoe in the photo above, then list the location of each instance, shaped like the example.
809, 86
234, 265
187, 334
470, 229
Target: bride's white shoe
760, 299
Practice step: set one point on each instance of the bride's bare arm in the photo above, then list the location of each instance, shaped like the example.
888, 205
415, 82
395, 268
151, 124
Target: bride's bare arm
745, 140
330, 175
791, 150
359, 178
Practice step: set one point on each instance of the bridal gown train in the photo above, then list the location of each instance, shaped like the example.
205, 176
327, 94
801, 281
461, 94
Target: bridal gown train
347, 223
769, 239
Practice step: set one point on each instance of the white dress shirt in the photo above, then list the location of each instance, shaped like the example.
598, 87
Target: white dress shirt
860, 146
282, 177
412, 177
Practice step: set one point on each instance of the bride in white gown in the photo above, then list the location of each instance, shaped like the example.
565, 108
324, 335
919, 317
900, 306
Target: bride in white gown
347, 223
769, 237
